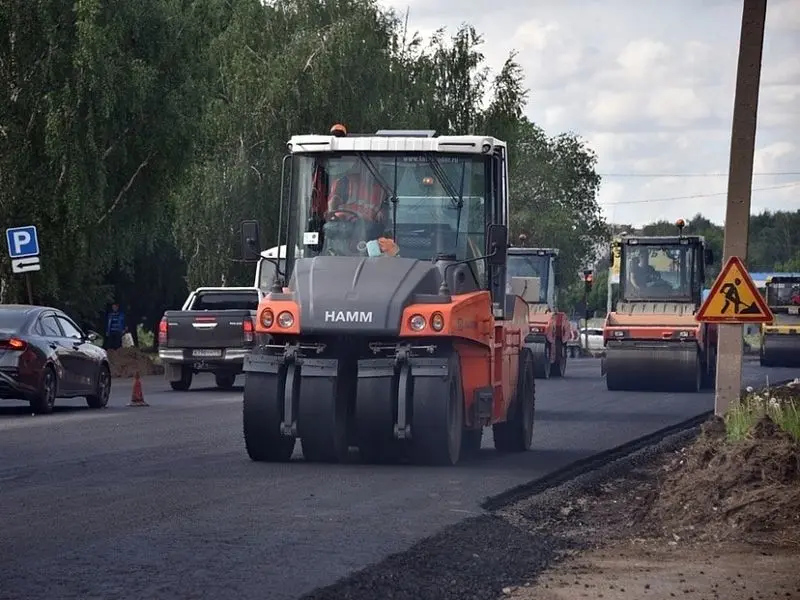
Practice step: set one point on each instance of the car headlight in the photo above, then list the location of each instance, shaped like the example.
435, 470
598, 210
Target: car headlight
437, 321
267, 318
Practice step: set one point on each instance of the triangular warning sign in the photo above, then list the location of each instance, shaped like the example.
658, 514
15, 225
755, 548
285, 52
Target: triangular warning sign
734, 298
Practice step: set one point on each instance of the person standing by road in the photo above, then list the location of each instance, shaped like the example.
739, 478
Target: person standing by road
115, 327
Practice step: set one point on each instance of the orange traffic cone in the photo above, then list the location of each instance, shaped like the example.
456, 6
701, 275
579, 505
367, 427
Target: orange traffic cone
137, 396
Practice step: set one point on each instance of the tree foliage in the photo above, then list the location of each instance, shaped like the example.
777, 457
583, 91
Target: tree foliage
137, 135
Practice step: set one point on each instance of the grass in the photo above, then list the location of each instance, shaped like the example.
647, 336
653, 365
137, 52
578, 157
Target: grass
780, 403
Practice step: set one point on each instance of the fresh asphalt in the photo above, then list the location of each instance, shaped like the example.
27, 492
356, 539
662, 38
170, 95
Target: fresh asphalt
162, 501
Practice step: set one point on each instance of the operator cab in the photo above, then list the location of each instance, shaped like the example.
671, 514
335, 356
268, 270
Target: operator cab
782, 292
663, 269
526, 265
404, 194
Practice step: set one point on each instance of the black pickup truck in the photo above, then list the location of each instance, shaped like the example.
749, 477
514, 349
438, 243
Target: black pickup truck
212, 332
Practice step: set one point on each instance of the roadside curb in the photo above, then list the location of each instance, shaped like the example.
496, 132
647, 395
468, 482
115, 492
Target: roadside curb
587, 472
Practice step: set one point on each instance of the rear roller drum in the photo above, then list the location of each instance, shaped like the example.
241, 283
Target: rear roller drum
375, 417
654, 369
516, 433
781, 351
262, 413
541, 360
322, 418
437, 416
710, 370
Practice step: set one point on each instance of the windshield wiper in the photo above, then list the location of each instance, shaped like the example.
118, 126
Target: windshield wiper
390, 191
457, 198
436, 167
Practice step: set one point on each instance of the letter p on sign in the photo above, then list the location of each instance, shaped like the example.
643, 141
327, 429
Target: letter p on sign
22, 241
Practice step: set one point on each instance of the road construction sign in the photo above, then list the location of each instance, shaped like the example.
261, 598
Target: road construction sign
734, 298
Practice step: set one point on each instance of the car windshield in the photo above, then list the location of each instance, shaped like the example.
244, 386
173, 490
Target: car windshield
658, 272
12, 320
783, 294
530, 265
342, 205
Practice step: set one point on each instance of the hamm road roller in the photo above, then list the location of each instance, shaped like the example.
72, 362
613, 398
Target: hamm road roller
389, 329
533, 275
652, 340
780, 339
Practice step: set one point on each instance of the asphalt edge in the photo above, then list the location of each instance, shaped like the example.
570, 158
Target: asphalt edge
593, 464
597, 462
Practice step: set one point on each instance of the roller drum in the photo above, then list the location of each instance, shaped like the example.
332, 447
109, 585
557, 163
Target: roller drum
653, 367
780, 350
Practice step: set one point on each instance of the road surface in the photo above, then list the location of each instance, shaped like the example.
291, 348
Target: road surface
162, 502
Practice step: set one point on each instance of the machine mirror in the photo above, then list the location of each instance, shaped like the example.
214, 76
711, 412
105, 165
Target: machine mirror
709, 256
497, 245
251, 241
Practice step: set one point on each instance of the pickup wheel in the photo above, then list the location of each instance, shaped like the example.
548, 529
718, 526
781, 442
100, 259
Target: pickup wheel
225, 380
185, 382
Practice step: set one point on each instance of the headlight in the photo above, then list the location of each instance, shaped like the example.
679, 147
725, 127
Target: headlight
267, 318
437, 321
285, 319
417, 323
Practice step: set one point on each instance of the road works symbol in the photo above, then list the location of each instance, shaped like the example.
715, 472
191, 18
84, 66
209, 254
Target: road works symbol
734, 298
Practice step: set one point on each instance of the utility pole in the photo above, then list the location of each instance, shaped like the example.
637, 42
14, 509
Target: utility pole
740, 181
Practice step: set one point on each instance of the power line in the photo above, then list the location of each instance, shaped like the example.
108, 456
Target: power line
761, 189
687, 175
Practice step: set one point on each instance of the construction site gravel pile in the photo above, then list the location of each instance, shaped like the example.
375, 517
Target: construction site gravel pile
126, 362
711, 492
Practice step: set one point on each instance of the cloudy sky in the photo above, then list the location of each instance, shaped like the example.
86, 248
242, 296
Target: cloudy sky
649, 84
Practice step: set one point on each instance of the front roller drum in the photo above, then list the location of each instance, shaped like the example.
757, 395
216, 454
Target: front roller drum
375, 418
780, 351
437, 415
322, 411
654, 369
515, 434
262, 416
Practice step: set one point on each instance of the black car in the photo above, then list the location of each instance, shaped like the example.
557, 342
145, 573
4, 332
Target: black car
44, 355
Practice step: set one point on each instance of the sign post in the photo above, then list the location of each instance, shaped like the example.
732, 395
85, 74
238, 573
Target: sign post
23, 248
740, 181
733, 301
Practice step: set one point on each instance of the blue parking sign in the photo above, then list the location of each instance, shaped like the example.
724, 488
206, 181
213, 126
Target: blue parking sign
22, 241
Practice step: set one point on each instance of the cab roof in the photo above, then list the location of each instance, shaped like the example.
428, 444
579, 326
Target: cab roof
394, 141
660, 239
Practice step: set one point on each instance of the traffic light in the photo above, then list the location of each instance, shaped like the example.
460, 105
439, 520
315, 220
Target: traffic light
587, 280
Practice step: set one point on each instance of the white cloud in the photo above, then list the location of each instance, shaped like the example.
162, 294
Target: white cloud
650, 86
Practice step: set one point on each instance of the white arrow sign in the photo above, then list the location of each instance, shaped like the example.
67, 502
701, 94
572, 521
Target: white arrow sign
26, 265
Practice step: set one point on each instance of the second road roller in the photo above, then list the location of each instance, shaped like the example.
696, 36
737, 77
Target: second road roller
652, 340
780, 340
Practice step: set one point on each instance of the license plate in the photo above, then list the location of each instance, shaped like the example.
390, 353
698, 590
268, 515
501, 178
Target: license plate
207, 353
794, 310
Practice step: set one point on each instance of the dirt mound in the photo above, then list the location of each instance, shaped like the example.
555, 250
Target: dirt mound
125, 362
731, 490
